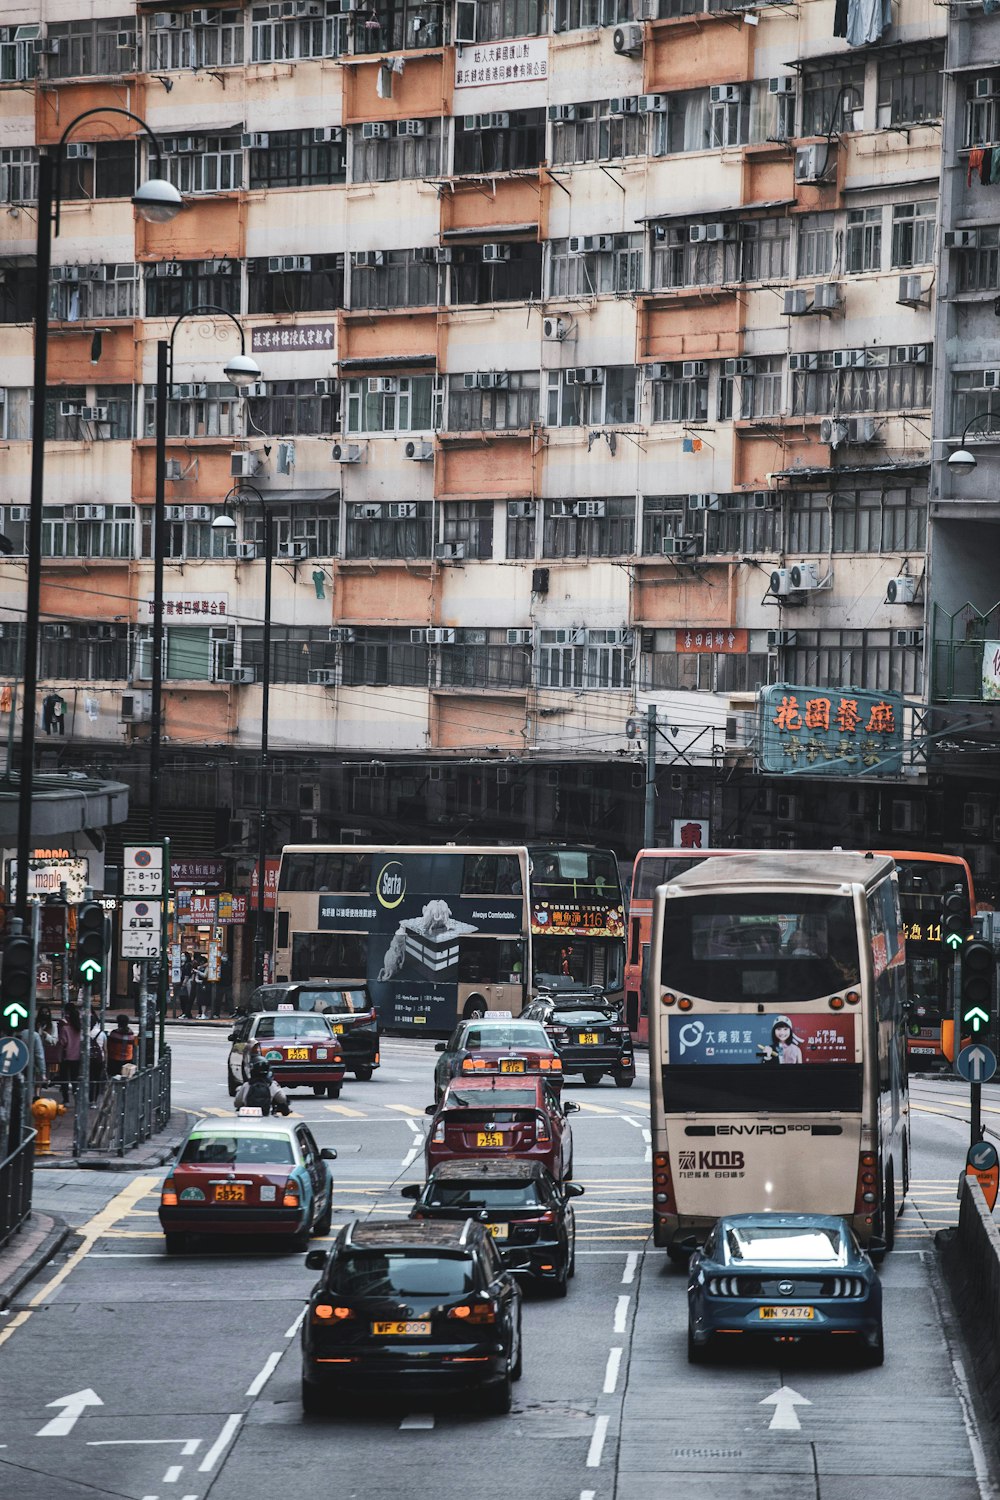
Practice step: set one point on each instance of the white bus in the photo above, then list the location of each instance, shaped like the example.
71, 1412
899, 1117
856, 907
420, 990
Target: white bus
777, 997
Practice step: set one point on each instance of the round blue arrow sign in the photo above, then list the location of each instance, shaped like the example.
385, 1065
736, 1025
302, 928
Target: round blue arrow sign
13, 1057
976, 1063
982, 1156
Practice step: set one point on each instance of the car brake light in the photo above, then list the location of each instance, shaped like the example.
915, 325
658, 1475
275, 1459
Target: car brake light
437, 1138
542, 1135
323, 1312
485, 1313
342, 1313
291, 1198
474, 1064
168, 1193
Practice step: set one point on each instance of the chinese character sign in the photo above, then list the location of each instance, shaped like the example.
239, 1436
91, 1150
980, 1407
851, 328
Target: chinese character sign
188, 609
276, 338
525, 61
270, 885
830, 732
991, 670
723, 639
691, 833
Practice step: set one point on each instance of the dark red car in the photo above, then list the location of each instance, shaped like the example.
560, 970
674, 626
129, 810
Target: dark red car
502, 1116
490, 1045
302, 1051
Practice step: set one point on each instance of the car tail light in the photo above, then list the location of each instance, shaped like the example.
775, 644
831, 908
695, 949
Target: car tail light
626, 1061
337, 1058
485, 1312
550, 1064
542, 1136
548, 1217
438, 1137
376, 1058
663, 1190
620, 1030
723, 1286
343, 1313
291, 1197
168, 1193
322, 1312
474, 1065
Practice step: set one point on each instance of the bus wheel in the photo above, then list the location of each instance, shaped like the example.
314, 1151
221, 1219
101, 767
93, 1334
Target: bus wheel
475, 1008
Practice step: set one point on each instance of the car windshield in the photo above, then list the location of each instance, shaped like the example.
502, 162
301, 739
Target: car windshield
776, 1245
269, 1027
490, 1195
223, 1150
483, 1098
527, 1034
401, 1274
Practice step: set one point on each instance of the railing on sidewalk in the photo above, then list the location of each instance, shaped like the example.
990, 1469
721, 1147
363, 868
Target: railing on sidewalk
15, 1187
132, 1109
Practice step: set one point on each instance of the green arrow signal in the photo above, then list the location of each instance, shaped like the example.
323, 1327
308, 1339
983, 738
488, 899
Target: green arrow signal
90, 968
15, 1010
976, 1017
954, 940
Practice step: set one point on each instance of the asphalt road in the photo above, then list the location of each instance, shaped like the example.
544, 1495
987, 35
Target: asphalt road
194, 1362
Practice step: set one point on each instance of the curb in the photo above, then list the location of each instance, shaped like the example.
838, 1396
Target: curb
53, 1241
158, 1158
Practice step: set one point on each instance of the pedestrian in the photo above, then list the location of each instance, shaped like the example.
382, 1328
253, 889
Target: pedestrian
199, 991
98, 1056
224, 989
121, 1046
186, 992
70, 1040
52, 1046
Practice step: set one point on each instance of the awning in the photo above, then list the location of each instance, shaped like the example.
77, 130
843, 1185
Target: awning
717, 213
299, 497
823, 473
402, 362
489, 232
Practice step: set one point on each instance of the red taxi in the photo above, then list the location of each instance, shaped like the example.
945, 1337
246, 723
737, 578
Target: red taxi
503, 1117
301, 1049
252, 1175
491, 1046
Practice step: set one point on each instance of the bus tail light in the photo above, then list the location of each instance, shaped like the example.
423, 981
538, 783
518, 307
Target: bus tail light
684, 1003
663, 1188
852, 997
836, 1003
866, 1196
668, 999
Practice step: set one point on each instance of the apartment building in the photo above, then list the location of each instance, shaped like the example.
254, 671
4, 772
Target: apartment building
597, 342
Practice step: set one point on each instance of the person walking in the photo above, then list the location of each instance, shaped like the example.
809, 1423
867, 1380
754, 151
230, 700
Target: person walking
98, 1056
48, 1030
121, 1046
224, 988
70, 1040
199, 990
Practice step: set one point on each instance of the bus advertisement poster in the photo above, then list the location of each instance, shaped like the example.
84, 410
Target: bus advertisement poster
577, 920
742, 1039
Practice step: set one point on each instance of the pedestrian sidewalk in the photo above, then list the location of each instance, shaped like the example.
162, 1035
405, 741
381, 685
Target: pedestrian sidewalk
152, 1153
39, 1238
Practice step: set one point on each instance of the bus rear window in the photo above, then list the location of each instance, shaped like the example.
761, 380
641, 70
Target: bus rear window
784, 947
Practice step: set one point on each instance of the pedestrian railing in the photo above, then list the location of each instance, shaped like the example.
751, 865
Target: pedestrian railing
15, 1187
132, 1109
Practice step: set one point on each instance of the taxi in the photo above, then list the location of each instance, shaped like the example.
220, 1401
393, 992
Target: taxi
503, 1048
253, 1175
302, 1051
483, 1117
350, 1008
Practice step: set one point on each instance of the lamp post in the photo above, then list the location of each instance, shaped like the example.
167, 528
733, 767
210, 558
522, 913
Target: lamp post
963, 460
225, 521
157, 201
241, 370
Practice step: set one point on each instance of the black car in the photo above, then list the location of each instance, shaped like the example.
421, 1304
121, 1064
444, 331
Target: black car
411, 1307
590, 1035
520, 1203
350, 1008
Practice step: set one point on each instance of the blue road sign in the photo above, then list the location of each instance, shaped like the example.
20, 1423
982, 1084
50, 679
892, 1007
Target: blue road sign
982, 1156
976, 1063
13, 1057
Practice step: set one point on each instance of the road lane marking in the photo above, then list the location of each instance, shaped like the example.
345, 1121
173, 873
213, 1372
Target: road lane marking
220, 1114
597, 1442
258, 1383
291, 1332
411, 1155
630, 1120
346, 1111
74, 1407
173, 1474
595, 1109
631, 1261
418, 1421
405, 1109
611, 1371
415, 1126
229, 1429
621, 1314
190, 1445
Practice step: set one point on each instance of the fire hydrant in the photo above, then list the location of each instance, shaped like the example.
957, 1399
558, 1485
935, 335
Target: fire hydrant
45, 1111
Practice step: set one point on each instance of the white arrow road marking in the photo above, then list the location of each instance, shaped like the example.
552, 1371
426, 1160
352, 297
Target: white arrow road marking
75, 1406
784, 1401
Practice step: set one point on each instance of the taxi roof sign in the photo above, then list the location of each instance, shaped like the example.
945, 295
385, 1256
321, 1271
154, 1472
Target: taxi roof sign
286, 1007
251, 1109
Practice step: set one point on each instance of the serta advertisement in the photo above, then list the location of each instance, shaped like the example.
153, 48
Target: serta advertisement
417, 921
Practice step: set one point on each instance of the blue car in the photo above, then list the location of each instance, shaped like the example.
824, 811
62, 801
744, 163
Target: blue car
784, 1277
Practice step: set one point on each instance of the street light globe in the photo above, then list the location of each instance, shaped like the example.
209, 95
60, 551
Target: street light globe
241, 370
961, 461
223, 522
157, 201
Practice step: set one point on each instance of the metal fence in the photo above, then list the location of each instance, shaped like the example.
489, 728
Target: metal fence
15, 1187
132, 1109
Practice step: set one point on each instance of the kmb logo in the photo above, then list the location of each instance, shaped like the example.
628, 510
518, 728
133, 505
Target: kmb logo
716, 1159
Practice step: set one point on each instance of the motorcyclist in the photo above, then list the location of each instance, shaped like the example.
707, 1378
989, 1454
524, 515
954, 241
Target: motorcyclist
261, 1092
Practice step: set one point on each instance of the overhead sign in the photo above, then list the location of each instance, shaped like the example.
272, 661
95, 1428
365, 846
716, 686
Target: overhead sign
141, 923
692, 833
291, 336
983, 1163
977, 1063
207, 872
576, 919
523, 61
188, 609
991, 670
142, 872
829, 732
13, 1057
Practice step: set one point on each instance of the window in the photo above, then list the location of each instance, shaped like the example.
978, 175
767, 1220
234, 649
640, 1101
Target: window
582, 659
589, 528
909, 86
286, 38
217, 45
970, 398
393, 403
512, 405
205, 410
65, 407
393, 25
679, 260
393, 278
572, 15
866, 658
680, 391
65, 532
752, 389
521, 528
508, 141
470, 524
864, 239
913, 233
700, 671
18, 174
772, 116
91, 47
384, 658
479, 276
856, 521
826, 91
203, 163
610, 397
296, 408
392, 156
296, 283
686, 125
316, 525
94, 292
174, 287
764, 246
818, 250
194, 653
595, 134
299, 158
745, 524
483, 659
982, 115
729, 117
400, 528
107, 171
18, 58
15, 420
662, 517
184, 539
612, 263
860, 380
979, 264
497, 20
83, 653
295, 651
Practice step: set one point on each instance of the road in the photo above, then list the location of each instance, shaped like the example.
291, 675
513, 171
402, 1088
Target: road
194, 1362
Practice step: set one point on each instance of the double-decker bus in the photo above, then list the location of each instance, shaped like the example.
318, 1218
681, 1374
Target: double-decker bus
777, 998
577, 918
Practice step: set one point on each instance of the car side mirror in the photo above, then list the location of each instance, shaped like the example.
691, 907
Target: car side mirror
232, 1036
411, 1190
431, 1109
328, 1154
316, 1260
877, 1250
573, 1190
440, 1046
571, 1107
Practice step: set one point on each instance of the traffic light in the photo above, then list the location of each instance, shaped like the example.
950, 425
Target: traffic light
16, 980
977, 991
957, 920
90, 947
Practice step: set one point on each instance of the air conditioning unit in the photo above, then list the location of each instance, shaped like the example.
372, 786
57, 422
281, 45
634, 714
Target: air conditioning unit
555, 329
289, 262
492, 253
623, 105
697, 234
678, 546
57, 632
324, 387
323, 677
328, 133
784, 85
418, 637
165, 20
441, 637
79, 151
803, 362
94, 414
902, 590
256, 140
585, 375
776, 639
243, 465
724, 93
18, 513
410, 127
241, 551
693, 369
89, 512
519, 637
520, 508
627, 40
863, 431
789, 807
297, 551
173, 512
135, 708
811, 162
652, 104
581, 244
189, 392
804, 576
238, 676
198, 512
796, 302
908, 637
764, 500
419, 452
910, 292
403, 510
494, 380
961, 239
781, 582
589, 508
375, 130
986, 88
204, 18
442, 255
256, 388
173, 469
70, 408
826, 296
168, 268
97, 273
346, 453
382, 385
912, 354
991, 380
737, 367
832, 431
341, 635
449, 551
704, 502
124, 40
64, 273
562, 111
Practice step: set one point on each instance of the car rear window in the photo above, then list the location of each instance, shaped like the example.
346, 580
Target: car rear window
401, 1274
582, 1017
477, 1195
529, 1034
331, 1002
269, 1027
223, 1150
779, 1246
480, 1098
473, 1117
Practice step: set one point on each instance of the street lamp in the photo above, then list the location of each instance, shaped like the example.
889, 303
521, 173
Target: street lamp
226, 522
155, 200
241, 370
963, 460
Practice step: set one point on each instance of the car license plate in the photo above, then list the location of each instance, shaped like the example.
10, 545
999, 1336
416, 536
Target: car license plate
499, 1231
785, 1314
512, 1065
297, 1054
402, 1330
588, 1038
230, 1192
489, 1138
339, 1028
